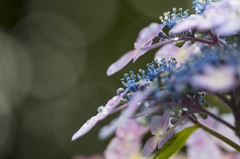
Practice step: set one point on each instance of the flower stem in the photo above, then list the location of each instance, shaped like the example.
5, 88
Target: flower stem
216, 134
177, 39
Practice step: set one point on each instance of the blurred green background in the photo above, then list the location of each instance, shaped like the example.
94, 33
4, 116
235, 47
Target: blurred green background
53, 61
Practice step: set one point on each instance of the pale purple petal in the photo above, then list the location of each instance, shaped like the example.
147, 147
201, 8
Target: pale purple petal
86, 127
225, 131
134, 104
165, 121
121, 149
105, 111
145, 37
228, 155
147, 34
191, 22
108, 130
156, 124
204, 149
180, 54
215, 79
150, 146
112, 103
131, 130
121, 62
228, 28
163, 140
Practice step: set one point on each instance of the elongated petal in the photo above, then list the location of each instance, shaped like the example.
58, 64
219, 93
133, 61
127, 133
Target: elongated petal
134, 104
156, 124
163, 140
215, 79
150, 146
180, 54
147, 34
105, 111
108, 130
165, 121
86, 127
191, 22
120, 63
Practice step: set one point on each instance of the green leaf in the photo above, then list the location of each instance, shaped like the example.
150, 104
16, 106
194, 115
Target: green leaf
175, 143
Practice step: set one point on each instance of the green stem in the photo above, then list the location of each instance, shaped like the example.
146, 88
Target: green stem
216, 134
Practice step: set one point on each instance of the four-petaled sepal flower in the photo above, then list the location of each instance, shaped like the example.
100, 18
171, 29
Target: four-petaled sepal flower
159, 126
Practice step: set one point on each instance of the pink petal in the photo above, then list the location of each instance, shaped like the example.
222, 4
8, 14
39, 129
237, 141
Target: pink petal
225, 131
180, 54
100, 116
204, 149
129, 128
150, 146
121, 149
120, 63
147, 34
163, 140
215, 79
190, 23
112, 103
156, 124
134, 104
165, 121
86, 127
145, 37
108, 130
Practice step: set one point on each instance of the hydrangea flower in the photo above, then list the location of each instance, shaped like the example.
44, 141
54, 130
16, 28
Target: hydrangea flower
145, 37
128, 140
215, 79
222, 17
180, 54
103, 113
159, 126
205, 145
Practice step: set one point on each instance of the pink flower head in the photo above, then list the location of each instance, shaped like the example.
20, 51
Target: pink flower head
145, 37
103, 113
131, 130
121, 149
206, 145
159, 126
215, 79
180, 54
222, 17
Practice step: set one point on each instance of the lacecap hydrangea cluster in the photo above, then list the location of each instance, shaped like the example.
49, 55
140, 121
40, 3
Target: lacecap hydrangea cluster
200, 54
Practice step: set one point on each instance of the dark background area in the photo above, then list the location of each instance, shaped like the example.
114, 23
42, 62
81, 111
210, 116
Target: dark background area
53, 60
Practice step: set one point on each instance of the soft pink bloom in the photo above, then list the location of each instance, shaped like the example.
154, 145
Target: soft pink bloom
103, 113
159, 126
127, 140
222, 17
121, 149
215, 79
131, 130
206, 145
180, 54
145, 37
235, 155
